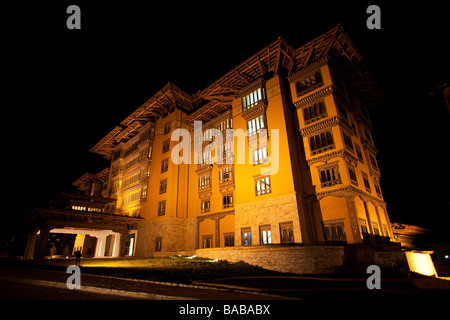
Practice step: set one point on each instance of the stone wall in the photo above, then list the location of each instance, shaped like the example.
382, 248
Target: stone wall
267, 211
171, 230
291, 259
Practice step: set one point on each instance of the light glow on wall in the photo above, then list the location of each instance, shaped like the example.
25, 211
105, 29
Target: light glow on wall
421, 262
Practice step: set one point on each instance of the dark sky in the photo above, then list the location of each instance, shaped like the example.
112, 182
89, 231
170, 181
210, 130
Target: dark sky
65, 89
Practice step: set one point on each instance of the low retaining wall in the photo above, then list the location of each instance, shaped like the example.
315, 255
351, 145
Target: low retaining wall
291, 259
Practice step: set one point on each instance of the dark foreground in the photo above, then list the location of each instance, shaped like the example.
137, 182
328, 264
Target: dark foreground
42, 287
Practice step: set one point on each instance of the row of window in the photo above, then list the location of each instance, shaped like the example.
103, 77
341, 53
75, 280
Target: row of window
324, 141
329, 176
265, 234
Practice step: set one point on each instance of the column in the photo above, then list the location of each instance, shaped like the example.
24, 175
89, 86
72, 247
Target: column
217, 232
117, 241
353, 217
42, 248
100, 248
31, 245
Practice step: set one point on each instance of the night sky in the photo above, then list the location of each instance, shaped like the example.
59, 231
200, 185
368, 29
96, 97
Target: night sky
66, 89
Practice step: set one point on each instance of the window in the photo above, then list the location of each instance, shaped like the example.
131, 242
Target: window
246, 236
260, 155
161, 208
167, 128
375, 229
377, 188
226, 174
348, 141
206, 205
229, 239
363, 226
373, 162
321, 142
227, 201
315, 112
204, 181
251, 99
262, 185
144, 193
329, 176
158, 243
132, 197
334, 230
368, 136
226, 150
166, 146
163, 186
358, 153
287, 232
265, 234
164, 165
255, 125
207, 241
366, 181
352, 173
309, 83
225, 124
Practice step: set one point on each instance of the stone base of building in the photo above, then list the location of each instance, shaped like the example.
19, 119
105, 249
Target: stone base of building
289, 259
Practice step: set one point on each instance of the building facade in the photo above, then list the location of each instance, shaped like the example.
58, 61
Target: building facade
277, 151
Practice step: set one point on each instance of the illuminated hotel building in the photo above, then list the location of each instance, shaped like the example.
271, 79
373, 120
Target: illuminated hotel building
326, 189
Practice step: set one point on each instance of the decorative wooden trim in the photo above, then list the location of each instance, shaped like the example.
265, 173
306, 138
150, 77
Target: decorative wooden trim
314, 96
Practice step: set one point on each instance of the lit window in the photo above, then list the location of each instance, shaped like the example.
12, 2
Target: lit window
265, 234
206, 205
262, 186
204, 181
260, 155
255, 125
251, 99
226, 174
246, 236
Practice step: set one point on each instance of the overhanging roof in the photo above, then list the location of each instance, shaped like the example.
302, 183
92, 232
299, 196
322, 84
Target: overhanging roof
159, 105
279, 57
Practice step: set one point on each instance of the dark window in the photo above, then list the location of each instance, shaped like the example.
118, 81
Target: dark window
164, 165
166, 146
309, 83
227, 201
315, 112
329, 176
321, 142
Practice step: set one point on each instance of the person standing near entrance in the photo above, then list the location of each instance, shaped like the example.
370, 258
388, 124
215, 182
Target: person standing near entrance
77, 257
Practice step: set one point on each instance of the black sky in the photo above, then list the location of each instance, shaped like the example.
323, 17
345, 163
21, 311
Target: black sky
65, 89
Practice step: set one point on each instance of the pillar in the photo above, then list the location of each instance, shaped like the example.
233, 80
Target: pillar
100, 248
31, 245
117, 242
353, 216
42, 248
